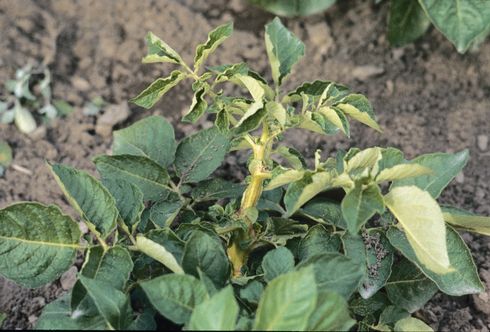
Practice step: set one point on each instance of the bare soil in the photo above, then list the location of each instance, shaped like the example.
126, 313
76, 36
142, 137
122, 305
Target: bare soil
428, 98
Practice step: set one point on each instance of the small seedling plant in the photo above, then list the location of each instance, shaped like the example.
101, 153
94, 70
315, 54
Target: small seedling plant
30, 92
357, 241
464, 23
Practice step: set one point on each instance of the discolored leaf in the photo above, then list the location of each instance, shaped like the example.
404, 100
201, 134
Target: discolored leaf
198, 107
462, 280
152, 94
37, 243
302, 191
215, 38
359, 108
159, 253
421, 218
159, 51
88, 196
402, 171
412, 324
444, 166
466, 220
294, 7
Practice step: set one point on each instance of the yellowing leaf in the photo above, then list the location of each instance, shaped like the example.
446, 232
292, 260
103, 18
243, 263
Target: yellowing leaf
412, 324
421, 218
363, 159
159, 253
286, 177
402, 171
337, 118
467, 221
358, 107
300, 192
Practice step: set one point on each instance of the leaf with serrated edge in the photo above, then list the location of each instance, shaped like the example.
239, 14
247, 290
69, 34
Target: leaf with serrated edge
34, 258
421, 218
283, 49
219, 313
152, 94
153, 137
215, 38
88, 196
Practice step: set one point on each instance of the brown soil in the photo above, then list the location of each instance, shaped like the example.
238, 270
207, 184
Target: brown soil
427, 97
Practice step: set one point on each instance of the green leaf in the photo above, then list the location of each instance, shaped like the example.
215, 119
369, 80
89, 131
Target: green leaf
219, 313
144, 322
37, 243
206, 253
335, 272
198, 107
217, 188
408, 287
324, 211
391, 314
421, 219
88, 196
292, 156
129, 200
57, 315
277, 112
360, 204
407, 22
145, 174
283, 49
463, 280
466, 220
159, 253
252, 292
337, 118
412, 324
5, 156
153, 137
288, 302
294, 7
112, 266
175, 296
250, 121
215, 38
276, 262
390, 157
163, 213
200, 154
359, 108
460, 21
300, 192
159, 51
444, 166
152, 94
168, 239
317, 241
331, 313
112, 304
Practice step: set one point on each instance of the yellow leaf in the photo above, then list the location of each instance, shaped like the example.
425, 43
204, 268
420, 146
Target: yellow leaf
402, 171
362, 117
284, 178
333, 117
364, 158
421, 218
477, 224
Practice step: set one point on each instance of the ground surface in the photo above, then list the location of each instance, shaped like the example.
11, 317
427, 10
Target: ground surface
427, 97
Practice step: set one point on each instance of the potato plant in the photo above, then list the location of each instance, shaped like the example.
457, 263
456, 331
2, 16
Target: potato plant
356, 242
465, 23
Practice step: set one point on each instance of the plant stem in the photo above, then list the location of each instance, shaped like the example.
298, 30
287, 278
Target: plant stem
258, 171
